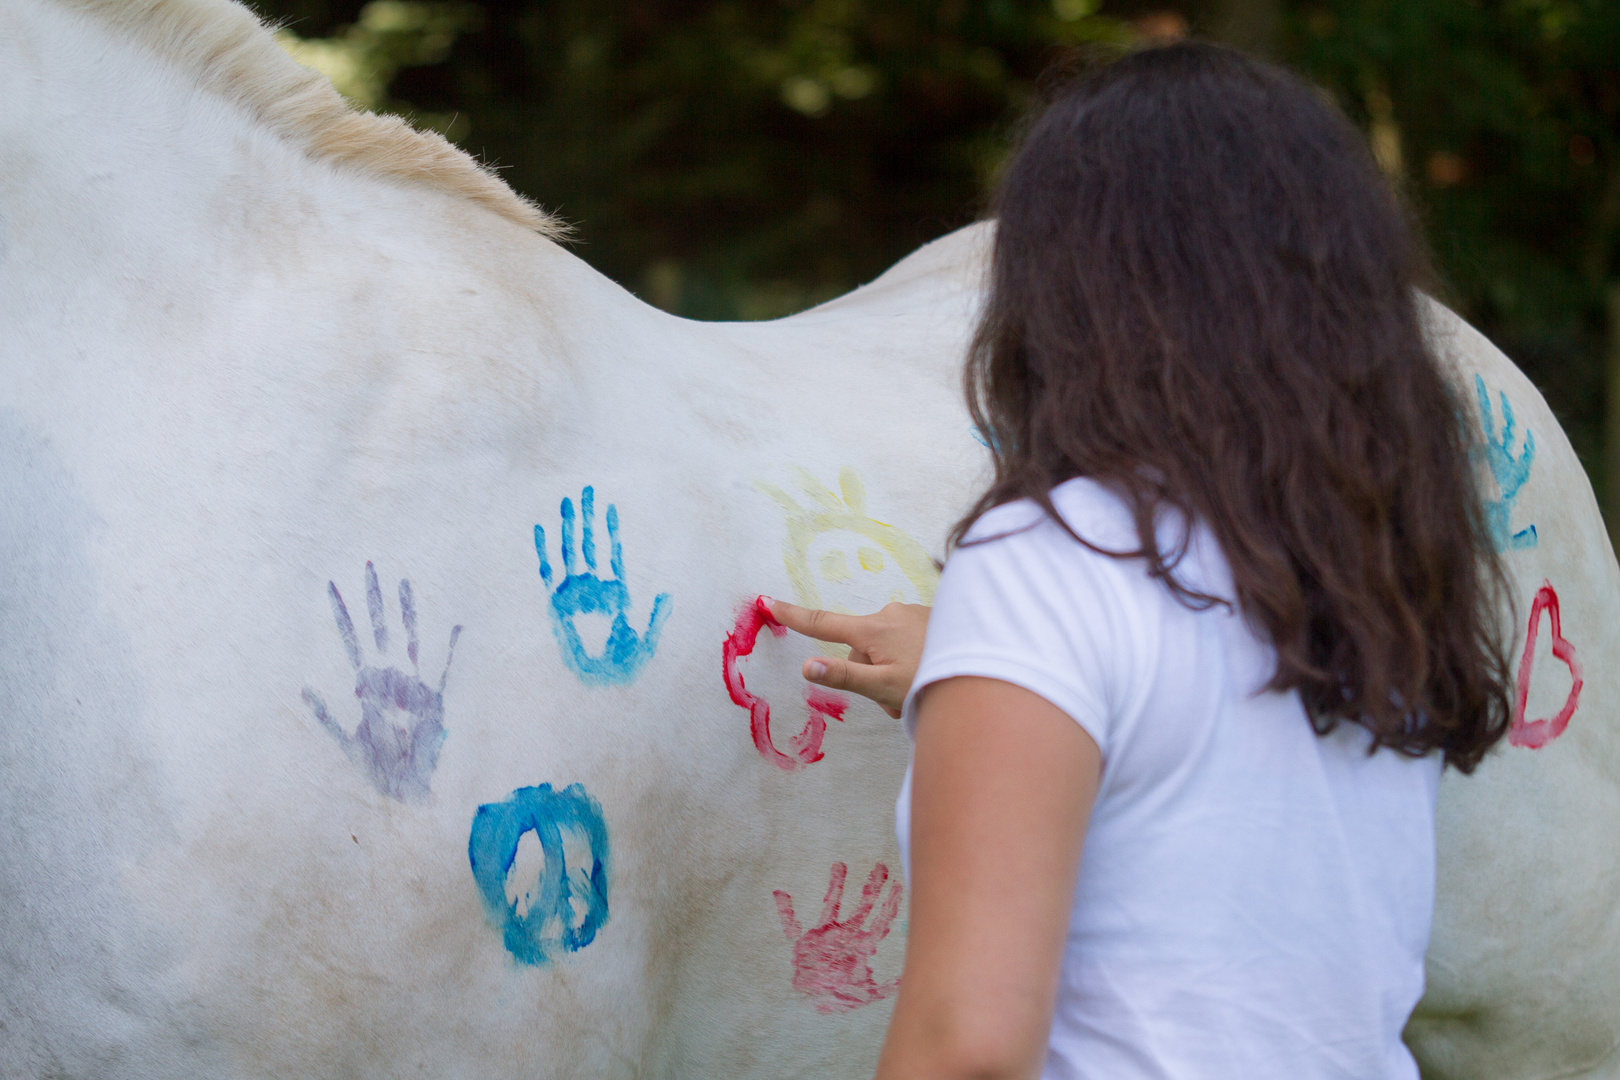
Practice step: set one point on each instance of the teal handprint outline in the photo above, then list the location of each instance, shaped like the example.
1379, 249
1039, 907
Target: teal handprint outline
1510, 472
625, 653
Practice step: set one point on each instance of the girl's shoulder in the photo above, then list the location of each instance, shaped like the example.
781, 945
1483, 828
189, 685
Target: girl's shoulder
1093, 511
1023, 532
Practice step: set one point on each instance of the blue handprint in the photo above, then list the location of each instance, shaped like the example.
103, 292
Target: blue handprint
582, 594
1510, 472
563, 908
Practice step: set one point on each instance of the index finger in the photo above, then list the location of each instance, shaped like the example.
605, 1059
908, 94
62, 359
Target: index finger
813, 622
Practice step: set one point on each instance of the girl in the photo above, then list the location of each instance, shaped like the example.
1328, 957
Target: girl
1225, 609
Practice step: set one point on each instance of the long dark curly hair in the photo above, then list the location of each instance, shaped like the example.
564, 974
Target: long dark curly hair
1205, 295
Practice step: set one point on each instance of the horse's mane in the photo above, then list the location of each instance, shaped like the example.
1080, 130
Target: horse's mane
229, 52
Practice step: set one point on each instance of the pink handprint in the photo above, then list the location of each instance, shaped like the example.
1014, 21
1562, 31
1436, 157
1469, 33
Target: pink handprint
832, 960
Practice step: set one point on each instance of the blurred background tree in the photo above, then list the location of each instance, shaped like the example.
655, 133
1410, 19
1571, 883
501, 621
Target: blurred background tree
723, 159
728, 159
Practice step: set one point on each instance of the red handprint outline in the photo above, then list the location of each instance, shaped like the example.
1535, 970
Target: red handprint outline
822, 704
832, 960
1535, 734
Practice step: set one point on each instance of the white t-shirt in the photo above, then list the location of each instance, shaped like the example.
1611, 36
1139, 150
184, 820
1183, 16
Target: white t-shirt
1254, 899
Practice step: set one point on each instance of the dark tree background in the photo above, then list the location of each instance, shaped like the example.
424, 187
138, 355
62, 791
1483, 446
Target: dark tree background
727, 159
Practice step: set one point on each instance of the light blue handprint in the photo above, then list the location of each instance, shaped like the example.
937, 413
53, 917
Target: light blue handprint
582, 594
565, 906
1510, 472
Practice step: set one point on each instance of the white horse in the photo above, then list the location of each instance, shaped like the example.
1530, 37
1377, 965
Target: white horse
380, 690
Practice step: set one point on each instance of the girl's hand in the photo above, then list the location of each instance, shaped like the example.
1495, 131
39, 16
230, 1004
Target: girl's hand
884, 649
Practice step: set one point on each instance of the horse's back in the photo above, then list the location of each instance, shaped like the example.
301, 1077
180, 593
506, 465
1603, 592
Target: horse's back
320, 758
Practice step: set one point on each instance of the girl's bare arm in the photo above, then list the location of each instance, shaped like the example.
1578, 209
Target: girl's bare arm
1002, 787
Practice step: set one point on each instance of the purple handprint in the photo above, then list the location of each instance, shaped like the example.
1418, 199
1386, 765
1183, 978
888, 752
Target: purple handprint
398, 754
832, 960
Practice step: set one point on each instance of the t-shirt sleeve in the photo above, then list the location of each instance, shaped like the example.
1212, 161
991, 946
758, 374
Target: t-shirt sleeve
1034, 608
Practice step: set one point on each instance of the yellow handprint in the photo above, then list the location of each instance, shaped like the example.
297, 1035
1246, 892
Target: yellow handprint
828, 512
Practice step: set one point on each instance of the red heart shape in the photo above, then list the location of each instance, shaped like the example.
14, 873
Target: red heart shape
1535, 734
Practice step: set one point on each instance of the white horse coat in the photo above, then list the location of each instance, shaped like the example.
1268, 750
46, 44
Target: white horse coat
379, 688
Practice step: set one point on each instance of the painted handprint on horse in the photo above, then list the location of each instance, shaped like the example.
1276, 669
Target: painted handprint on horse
401, 717
625, 653
821, 534
560, 908
832, 961
1510, 471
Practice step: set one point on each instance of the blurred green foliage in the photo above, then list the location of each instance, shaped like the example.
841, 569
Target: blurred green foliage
363, 58
727, 159
1508, 122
